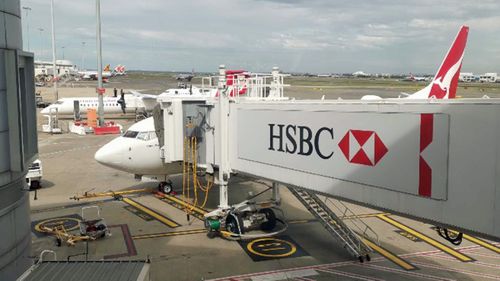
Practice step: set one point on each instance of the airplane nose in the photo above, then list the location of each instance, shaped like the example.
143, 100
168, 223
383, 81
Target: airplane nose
46, 110
110, 155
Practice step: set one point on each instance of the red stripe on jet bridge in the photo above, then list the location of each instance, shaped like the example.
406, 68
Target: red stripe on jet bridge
426, 130
424, 170
424, 178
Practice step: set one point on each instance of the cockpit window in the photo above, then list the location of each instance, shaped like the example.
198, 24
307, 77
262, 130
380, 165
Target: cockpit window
152, 135
58, 102
130, 134
146, 136
143, 136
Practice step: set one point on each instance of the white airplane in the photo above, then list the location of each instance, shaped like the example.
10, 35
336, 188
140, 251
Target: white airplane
444, 84
135, 154
119, 70
126, 104
414, 78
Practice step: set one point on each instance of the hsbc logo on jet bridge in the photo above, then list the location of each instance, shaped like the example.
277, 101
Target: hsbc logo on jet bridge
362, 147
358, 146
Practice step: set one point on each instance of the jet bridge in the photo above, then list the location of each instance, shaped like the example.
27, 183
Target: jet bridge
434, 160
437, 161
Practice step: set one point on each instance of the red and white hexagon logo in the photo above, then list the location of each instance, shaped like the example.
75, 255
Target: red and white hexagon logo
362, 147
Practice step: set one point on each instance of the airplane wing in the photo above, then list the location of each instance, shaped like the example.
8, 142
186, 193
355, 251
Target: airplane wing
148, 100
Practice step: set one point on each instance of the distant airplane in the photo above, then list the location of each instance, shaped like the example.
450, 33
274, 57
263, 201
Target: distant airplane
360, 74
416, 78
444, 84
106, 72
184, 77
119, 70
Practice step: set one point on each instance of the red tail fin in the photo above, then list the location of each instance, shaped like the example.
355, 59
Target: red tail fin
444, 84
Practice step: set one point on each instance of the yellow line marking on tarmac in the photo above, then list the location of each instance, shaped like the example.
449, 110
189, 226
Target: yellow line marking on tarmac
167, 234
363, 216
182, 203
152, 213
482, 243
427, 239
109, 193
390, 256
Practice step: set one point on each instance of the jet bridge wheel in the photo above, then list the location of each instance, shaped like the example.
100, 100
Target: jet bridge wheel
234, 223
270, 224
165, 187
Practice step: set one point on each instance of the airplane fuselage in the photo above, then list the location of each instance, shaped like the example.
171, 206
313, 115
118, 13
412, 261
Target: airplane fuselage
111, 105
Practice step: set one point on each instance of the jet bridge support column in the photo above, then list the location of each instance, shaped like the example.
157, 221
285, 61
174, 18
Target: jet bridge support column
276, 193
223, 136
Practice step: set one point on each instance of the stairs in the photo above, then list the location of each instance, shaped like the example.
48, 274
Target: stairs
347, 236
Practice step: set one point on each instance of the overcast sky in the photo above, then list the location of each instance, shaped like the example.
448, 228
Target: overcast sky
320, 36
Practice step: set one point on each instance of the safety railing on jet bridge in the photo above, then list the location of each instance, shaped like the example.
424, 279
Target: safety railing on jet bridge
257, 86
356, 223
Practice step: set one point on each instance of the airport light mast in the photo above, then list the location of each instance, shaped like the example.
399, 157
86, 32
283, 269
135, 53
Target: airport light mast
54, 70
41, 41
83, 56
100, 89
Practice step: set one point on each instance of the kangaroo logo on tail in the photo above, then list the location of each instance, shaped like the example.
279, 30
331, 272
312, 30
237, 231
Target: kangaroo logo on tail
444, 84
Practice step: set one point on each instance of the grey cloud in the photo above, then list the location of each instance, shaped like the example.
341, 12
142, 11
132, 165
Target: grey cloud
314, 35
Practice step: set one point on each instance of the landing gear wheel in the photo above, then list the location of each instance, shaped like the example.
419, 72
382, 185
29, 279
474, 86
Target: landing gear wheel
454, 238
270, 224
211, 234
368, 258
165, 187
361, 260
34, 185
58, 242
234, 224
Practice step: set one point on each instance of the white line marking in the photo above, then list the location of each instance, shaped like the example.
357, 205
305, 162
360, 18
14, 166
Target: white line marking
352, 275
496, 266
409, 273
472, 273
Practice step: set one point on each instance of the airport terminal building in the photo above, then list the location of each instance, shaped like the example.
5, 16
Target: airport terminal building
18, 143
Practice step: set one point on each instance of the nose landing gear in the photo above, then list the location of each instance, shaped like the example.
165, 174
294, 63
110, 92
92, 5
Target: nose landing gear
165, 187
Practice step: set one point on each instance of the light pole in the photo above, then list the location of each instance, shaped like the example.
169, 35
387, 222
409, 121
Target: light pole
41, 41
54, 70
100, 89
83, 55
27, 9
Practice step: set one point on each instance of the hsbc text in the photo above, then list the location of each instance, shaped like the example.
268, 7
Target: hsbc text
294, 139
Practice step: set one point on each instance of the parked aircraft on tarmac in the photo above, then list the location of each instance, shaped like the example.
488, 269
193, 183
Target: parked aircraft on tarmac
125, 104
126, 153
119, 70
413, 78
